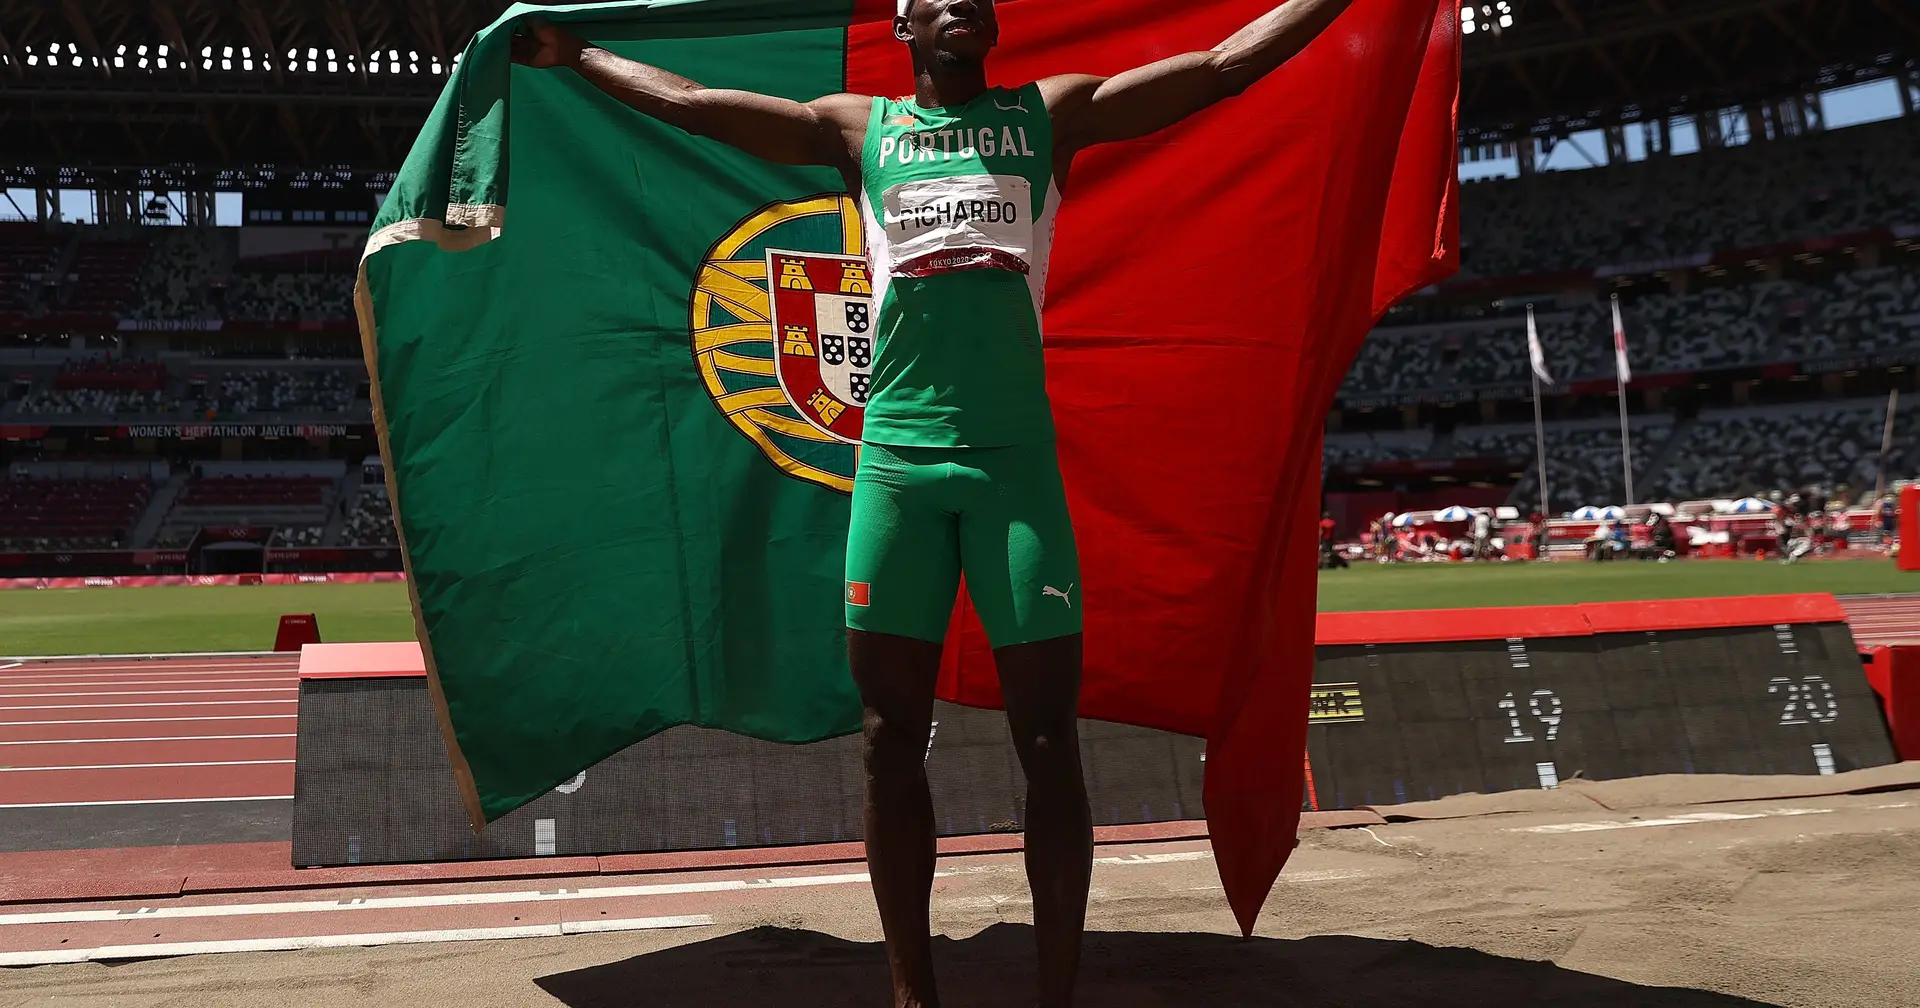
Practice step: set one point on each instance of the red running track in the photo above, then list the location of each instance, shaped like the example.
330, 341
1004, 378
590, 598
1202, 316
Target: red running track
1883, 619
176, 728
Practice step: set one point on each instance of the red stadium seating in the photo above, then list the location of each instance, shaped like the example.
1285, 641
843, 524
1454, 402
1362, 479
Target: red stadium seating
68, 514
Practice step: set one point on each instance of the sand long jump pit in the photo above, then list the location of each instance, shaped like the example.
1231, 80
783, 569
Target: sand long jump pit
1655, 891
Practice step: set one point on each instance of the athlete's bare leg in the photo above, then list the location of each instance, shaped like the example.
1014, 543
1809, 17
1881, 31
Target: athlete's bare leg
896, 677
1041, 685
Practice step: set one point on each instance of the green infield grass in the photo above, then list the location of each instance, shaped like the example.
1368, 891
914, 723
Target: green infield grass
1473, 585
193, 618
154, 620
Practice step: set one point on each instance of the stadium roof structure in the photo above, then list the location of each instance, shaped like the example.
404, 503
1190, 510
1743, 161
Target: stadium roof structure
346, 83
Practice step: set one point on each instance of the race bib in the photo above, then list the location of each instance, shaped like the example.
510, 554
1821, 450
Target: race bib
960, 223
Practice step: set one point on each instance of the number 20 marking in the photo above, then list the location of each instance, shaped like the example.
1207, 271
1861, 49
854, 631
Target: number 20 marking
1802, 703
1543, 705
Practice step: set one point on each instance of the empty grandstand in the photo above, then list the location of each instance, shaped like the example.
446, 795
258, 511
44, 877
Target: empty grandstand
176, 276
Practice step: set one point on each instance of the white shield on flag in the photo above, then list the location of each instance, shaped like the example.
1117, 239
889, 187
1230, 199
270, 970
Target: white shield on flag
843, 326
822, 319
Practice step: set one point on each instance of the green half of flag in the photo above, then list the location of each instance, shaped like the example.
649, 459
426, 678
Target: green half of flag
615, 518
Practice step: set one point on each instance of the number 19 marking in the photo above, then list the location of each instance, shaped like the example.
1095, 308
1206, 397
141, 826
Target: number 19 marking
1543, 705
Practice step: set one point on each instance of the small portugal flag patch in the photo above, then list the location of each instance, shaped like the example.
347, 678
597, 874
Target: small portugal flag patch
858, 593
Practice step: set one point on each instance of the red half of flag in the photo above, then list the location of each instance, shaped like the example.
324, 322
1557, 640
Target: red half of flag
1210, 286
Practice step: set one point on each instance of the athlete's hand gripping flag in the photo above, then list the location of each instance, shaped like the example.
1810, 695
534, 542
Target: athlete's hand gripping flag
621, 513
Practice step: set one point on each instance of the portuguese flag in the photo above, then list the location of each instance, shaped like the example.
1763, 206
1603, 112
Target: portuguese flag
621, 483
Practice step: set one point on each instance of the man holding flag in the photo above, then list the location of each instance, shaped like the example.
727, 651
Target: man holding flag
958, 186
620, 371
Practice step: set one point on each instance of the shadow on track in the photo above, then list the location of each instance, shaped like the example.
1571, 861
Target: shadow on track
778, 968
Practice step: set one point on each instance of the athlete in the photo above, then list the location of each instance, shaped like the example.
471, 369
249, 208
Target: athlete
958, 184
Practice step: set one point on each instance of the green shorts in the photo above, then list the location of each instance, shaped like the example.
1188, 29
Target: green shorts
924, 516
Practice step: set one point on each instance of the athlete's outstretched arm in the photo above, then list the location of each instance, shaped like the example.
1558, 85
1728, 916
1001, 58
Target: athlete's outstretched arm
1094, 110
818, 132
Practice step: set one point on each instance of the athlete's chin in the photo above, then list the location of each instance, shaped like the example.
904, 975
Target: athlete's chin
966, 47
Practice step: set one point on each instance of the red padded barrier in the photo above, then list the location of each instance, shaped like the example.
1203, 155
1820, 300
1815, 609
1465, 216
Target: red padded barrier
385, 660
1910, 528
1418, 626
1894, 672
1712, 613
1410, 626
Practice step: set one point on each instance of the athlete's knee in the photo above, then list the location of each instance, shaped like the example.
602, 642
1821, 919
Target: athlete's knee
1049, 747
896, 747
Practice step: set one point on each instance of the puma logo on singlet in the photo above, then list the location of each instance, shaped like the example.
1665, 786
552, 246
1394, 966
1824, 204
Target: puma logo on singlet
1049, 590
1019, 104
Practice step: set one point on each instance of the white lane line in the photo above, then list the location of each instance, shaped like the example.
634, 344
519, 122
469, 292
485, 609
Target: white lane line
83, 671
158, 656
41, 957
88, 672
168, 703
147, 801
416, 902
17, 664
139, 766
1166, 858
294, 680
148, 738
158, 720
282, 690
1690, 819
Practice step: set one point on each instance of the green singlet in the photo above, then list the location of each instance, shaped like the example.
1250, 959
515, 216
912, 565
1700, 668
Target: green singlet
958, 472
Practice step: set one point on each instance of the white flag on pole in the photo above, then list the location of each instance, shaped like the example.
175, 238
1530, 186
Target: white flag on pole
1537, 356
1620, 345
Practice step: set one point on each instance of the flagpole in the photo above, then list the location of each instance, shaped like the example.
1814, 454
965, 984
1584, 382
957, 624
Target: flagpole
1620, 383
1539, 429
1886, 444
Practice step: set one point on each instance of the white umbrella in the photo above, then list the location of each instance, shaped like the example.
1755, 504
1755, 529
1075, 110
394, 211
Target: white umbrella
1455, 513
1588, 513
1613, 512
1748, 505
1403, 520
